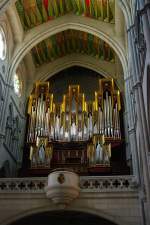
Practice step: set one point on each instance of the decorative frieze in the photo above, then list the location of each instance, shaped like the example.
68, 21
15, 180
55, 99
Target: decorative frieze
87, 184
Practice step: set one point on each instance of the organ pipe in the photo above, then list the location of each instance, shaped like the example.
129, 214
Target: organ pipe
74, 118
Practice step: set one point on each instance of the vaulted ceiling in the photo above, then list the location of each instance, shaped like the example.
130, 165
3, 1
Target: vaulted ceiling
35, 12
71, 41
51, 35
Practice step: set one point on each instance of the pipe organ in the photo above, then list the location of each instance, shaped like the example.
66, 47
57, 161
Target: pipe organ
74, 121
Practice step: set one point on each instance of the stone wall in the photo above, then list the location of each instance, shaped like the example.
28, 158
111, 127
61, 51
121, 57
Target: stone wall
113, 198
12, 109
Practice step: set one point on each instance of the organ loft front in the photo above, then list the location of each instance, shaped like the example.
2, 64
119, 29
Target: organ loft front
85, 136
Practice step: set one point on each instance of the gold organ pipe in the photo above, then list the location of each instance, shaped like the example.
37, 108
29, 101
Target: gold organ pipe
85, 107
112, 81
30, 104
53, 107
96, 102
83, 103
118, 100
64, 103
51, 103
94, 106
104, 112
102, 139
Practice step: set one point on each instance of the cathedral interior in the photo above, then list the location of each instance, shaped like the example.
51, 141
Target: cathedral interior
75, 112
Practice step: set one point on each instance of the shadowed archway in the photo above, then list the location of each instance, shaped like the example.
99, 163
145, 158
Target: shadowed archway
63, 218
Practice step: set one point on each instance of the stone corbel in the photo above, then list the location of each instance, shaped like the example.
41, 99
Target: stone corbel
63, 187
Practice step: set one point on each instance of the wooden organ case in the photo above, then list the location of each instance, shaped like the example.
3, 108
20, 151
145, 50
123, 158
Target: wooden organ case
75, 133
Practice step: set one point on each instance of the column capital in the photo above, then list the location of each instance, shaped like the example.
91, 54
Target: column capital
144, 9
130, 28
137, 84
131, 130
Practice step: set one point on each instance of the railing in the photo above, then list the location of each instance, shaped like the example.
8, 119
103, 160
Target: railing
108, 184
87, 184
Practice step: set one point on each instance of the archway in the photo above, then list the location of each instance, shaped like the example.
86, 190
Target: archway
33, 38
89, 84
63, 217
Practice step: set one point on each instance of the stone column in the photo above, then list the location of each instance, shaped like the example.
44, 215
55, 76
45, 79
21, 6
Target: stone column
137, 85
119, 20
4, 109
141, 116
146, 24
131, 131
148, 10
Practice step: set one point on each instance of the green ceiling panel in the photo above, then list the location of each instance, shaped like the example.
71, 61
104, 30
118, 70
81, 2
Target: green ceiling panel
35, 12
71, 41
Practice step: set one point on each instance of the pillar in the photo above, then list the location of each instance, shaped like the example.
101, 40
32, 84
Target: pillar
140, 107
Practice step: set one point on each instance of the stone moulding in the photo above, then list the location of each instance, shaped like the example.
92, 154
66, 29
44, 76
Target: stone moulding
96, 184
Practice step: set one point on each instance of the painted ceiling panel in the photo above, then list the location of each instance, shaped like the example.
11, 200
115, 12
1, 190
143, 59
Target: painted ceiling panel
35, 12
71, 41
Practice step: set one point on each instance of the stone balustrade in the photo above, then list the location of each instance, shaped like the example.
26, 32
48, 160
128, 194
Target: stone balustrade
87, 184
108, 184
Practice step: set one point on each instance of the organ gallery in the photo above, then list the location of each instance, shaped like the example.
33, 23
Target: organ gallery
74, 133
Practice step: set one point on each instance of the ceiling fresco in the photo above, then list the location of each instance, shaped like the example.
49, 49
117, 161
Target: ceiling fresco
71, 41
35, 12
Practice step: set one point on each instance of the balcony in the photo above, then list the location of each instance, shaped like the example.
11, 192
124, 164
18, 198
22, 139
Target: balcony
87, 184
115, 198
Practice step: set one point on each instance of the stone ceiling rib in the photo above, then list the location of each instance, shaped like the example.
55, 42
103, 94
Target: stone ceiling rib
71, 41
15, 23
4, 4
41, 32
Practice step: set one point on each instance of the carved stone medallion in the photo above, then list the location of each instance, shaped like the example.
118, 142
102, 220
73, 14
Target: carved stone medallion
61, 178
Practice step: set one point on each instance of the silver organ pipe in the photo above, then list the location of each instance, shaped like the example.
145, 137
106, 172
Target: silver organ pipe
74, 119
107, 115
110, 116
114, 121
105, 118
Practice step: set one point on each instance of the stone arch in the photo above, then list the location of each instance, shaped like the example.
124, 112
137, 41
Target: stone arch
112, 220
67, 64
125, 7
4, 4
46, 31
63, 63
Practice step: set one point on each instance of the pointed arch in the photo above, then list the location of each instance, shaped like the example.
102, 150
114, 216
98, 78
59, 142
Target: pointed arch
46, 30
